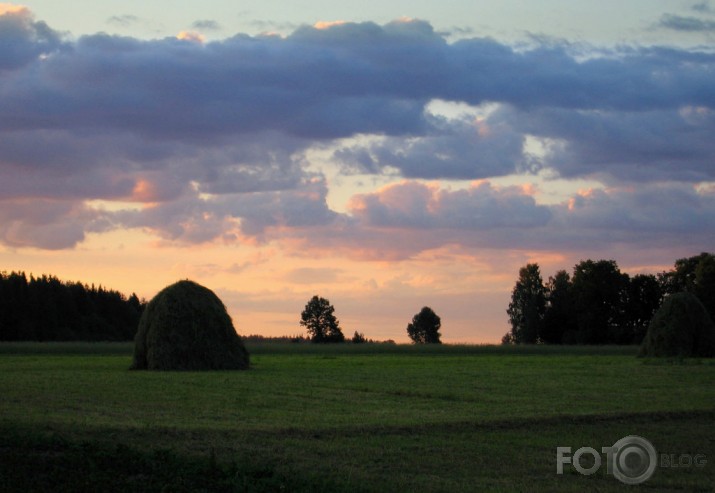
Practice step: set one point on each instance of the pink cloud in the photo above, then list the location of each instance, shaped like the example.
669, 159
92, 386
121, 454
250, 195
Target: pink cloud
47, 224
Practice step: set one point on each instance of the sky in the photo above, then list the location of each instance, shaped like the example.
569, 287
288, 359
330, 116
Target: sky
386, 157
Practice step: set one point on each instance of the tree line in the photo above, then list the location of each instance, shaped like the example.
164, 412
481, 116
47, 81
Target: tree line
599, 304
596, 304
47, 309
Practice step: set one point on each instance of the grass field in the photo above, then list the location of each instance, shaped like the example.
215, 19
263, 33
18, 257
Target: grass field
347, 418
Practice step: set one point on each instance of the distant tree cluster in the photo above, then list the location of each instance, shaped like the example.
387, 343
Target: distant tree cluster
322, 326
47, 309
599, 304
261, 339
359, 338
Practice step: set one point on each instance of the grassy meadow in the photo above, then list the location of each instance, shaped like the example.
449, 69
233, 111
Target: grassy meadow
346, 418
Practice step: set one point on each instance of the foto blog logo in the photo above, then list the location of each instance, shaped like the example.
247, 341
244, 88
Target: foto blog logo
631, 460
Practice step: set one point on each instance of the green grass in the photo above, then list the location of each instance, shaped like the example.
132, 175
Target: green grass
347, 418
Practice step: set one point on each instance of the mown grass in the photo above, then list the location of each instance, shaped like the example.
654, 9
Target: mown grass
350, 418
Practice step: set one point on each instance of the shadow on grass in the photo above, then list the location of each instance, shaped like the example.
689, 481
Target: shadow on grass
509, 455
34, 461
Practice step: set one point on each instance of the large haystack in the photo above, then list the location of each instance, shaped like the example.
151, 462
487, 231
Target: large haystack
186, 327
682, 328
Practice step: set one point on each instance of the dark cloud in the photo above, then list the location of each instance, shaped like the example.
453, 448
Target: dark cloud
480, 208
459, 31
327, 83
261, 215
48, 224
657, 215
301, 208
640, 146
185, 220
402, 220
269, 26
99, 165
701, 22
125, 20
214, 138
702, 7
459, 148
23, 40
686, 23
206, 25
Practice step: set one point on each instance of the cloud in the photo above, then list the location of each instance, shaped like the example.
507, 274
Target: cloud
400, 221
211, 141
257, 216
125, 20
657, 215
47, 224
460, 31
22, 39
636, 146
686, 23
191, 36
11, 8
481, 207
329, 83
703, 7
459, 148
206, 25
702, 22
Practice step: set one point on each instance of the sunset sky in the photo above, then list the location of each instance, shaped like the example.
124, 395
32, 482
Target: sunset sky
386, 156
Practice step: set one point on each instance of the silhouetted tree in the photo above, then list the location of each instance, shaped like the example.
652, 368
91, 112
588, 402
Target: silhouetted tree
705, 283
528, 304
359, 338
644, 298
424, 328
319, 320
559, 323
695, 275
683, 275
600, 293
507, 338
